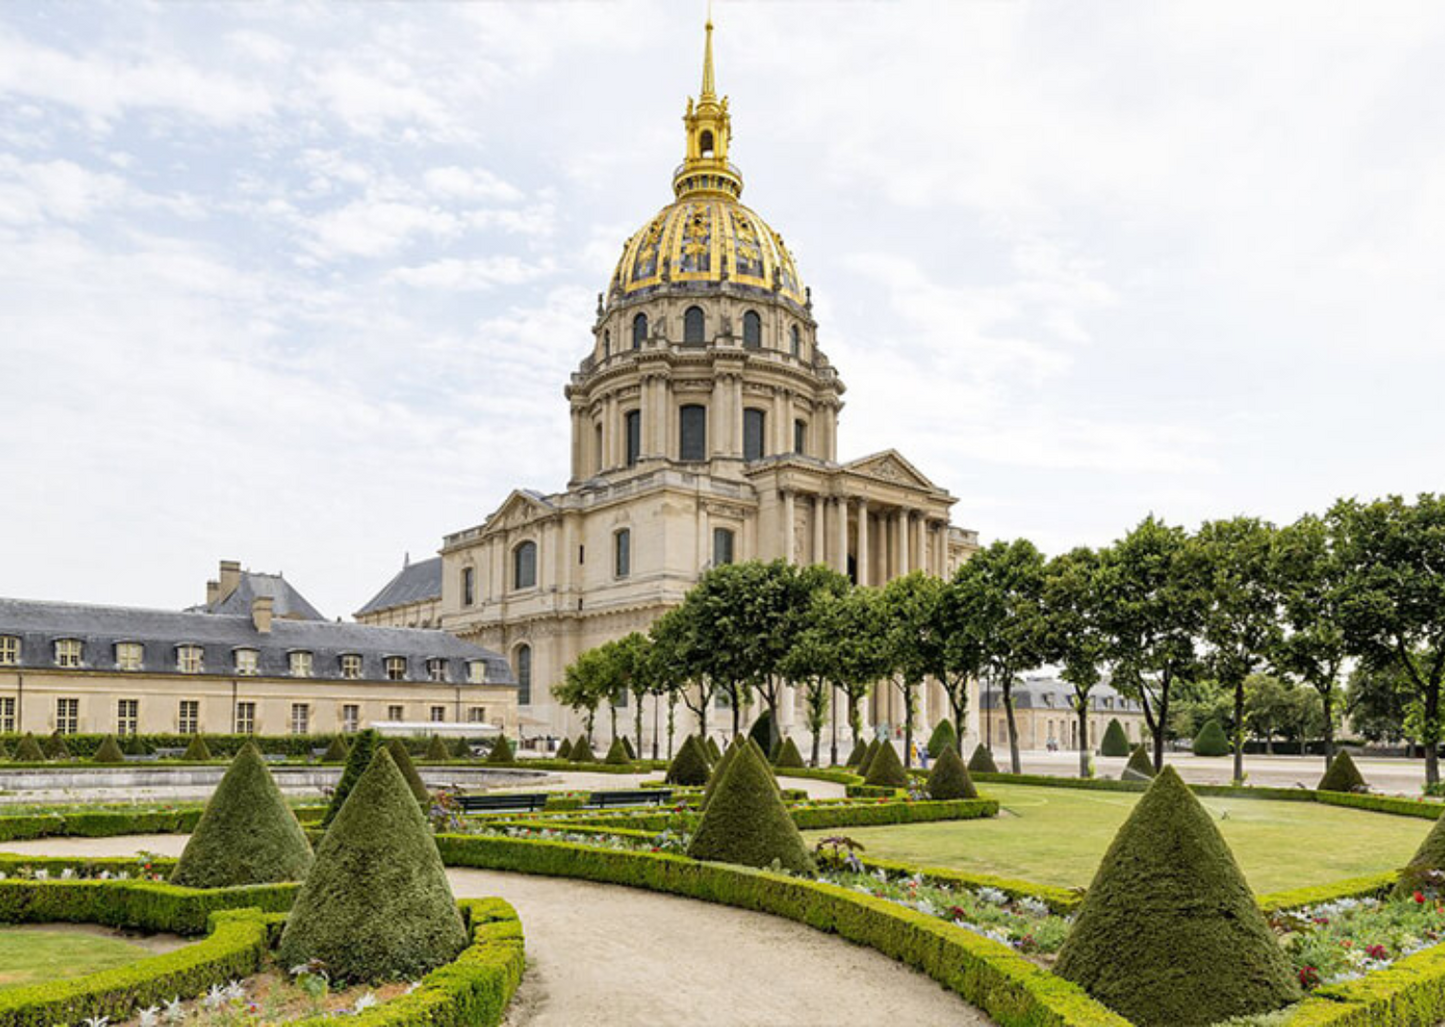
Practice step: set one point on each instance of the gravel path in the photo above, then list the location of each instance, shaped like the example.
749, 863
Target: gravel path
601, 955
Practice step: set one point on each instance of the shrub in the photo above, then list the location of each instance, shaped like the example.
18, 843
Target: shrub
436, 750
627, 746
501, 751
133, 746
461, 750
868, 755
247, 834
4, 752
1140, 761
582, 751
713, 752
1168, 934
1115, 741
55, 747
616, 754
109, 752
1211, 740
1426, 866
886, 770
363, 748
1342, 776
336, 752
789, 756
745, 820
689, 766
197, 751
765, 732
29, 751
564, 751
949, 778
397, 748
860, 749
376, 905
719, 769
981, 762
943, 737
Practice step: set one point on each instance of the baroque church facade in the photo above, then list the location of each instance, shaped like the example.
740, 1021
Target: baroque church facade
704, 423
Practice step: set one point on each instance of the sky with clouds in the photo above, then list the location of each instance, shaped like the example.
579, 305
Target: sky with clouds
300, 284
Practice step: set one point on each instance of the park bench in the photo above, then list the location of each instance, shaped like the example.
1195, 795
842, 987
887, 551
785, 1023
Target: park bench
634, 797
528, 801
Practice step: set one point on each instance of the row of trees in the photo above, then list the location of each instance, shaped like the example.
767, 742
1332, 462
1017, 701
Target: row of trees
1166, 615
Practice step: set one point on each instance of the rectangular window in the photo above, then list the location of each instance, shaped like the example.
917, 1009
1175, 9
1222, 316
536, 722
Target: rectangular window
7, 714
189, 659
622, 553
469, 581
67, 652
395, 713
188, 721
9, 650
632, 424
755, 423
301, 665
800, 436
300, 718
350, 718
129, 655
396, 668
245, 718
248, 662
477, 672
722, 546
692, 433
127, 716
436, 669
476, 714
67, 716
438, 714
351, 666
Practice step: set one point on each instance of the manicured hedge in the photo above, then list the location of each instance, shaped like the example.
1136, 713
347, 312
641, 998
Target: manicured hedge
143, 905
816, 818
1395, 805
1349, 888
872, 792
838, 775
1408, 993
1060, 900
299, 746
82, 823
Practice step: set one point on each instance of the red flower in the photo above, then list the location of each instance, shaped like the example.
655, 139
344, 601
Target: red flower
1377, 952
1419, 898
1309, 976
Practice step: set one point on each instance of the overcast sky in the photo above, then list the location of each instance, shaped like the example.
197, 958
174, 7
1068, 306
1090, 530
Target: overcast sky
300, 285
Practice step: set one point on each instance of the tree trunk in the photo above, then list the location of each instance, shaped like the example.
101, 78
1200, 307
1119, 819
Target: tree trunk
737, 712
1327, 697
1013, 730
1239, 732
1083, 713
637, 699
907, 690
959, 708
817, 743
671, 722
833, 708
1432, 732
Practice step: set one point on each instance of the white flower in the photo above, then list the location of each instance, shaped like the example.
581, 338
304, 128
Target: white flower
96, 1021
1034, 906
66, 875
175, 1012
236, 990
148, 1017
215, 997
992, 896
42, 875
365, 1002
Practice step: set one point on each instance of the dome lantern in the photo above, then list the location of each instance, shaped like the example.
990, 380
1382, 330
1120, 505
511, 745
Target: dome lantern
706, 169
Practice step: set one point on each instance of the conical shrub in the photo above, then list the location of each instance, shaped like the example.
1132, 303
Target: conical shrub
616, 754
335, 752
981, 762
461, 750
1169, 934
943, 737
1140, 762
1115, 742
720, 768
402, 758
133, 746
689, 766
886, 770
789, 756
582, 751
627, 747
860, 749
4, 753
765, 732
197, 751
1342, 776
363, 749
713, 752
29, 751
436, 750
745, 822
868, 755
376, 905
1426, 868
108, 751
949, 778
1211, 740
501, 751
564, 750
247, 834
55, 747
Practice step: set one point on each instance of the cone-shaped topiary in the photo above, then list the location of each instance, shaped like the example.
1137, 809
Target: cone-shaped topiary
981, 762
616, 754
943, 737
713, 752
1169, 934
247, 834
55, 747
403, 762
133, 746
108, 751
582, 751
4, 753
886, 770
376, 905
1427, 865
197, 751
860, 748
1211, 740
29, 751
745, 821
868, 755
501, 751
461, 749
363, 748
1342, 776
436, 750
689, 766
765, 732
564, 750
1140, 761
788, 755
336, 752
627, 747
949, 778
720, 768
1115, 742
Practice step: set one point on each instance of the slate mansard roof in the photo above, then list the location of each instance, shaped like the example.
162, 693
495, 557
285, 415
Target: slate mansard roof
285, 600
1051, 694
39, 625
414, 583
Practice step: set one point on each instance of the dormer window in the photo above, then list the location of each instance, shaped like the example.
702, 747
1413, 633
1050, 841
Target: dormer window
477, 672
248, 663
67, 652
9, 650
129, 655
436, 669
300, 664
396, 668
190, 659
351, 666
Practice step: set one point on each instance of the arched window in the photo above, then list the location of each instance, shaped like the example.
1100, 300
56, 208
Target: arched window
639, 331
692, 433
469, 586
752, 330
796, 340
597, 445
800, 436
622, 553
704, 143
722, 546
694, 327
524, 565
755, 424
523, 662
632, 429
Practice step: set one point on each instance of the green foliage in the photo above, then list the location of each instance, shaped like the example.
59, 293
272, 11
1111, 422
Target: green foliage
109, 752
1427, 867
363, 748
436, 750
1211, 740
745, 821
29, 751
582, 751
336, 752
981, 762
1169, 934
376, 905
4, 753
564, 749
55, 747
402, 758
789, 756
720, 768
713, 752
627, 747
1140, 762
501, 751
868, 754
1342, 776
197, 751
616, 753
689, 766
886, 769
860, 749
943, 737
765, 732
949, 777
1115, 742
461, 749
247, 834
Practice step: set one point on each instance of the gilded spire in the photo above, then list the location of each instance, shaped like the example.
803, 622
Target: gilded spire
705, 169
709, 88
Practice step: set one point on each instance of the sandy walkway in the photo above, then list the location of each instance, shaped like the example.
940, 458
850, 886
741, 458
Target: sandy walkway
601, 955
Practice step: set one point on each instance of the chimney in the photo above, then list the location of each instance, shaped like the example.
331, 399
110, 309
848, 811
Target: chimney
230, 578
261, 614
213, 593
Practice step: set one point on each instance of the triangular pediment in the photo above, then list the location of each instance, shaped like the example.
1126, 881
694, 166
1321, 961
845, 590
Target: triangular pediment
517, 509
890, 466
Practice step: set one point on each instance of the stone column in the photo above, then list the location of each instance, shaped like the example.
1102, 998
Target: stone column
864, 572
609, 434
898, 546
920, 534
820, 506
789, 523
704, 537
840, 556
905, 541
782, 423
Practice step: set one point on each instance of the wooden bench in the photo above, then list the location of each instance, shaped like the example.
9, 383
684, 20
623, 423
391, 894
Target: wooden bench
635, 797
529, 801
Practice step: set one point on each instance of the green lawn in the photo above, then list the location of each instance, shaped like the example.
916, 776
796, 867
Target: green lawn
32, 956
1058, 835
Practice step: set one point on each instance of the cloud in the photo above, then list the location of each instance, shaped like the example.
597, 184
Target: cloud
462, 275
